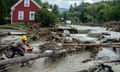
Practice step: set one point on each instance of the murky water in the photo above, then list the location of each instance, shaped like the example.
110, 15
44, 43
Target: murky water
71, 63
107, 54
67, 64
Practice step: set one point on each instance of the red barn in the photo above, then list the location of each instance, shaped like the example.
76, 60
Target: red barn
24, 11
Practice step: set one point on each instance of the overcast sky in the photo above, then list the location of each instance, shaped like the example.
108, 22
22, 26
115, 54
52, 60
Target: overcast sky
67, 3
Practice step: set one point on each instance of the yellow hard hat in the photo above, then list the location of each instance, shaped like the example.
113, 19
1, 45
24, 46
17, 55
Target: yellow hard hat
24, 37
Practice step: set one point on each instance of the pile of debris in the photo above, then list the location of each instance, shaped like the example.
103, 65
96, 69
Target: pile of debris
114, 26
58, 43
36, 33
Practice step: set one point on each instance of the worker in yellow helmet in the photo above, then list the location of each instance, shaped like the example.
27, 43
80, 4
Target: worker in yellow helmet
24, 38
20, 46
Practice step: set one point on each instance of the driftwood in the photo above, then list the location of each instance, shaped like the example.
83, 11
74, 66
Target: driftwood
17, 33
12, 27
22, 59
81, 46
117, 44
57, 37
3, 34
29, 57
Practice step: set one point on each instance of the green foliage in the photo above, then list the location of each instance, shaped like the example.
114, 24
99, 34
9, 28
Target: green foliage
96, 12
2, 12
45, 5
39, 2
114, 13
46, 18
71, 8
9, 4
55, 10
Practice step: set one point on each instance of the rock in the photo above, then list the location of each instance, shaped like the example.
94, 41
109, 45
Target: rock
66, 33
68, 39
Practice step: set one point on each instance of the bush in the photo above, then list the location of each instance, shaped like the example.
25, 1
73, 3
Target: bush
46, 18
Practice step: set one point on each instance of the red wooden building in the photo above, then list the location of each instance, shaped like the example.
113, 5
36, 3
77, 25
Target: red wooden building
24, 11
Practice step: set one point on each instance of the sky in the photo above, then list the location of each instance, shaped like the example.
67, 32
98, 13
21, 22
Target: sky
67, 3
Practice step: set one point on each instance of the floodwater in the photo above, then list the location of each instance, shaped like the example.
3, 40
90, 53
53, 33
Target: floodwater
72, 63
67, 64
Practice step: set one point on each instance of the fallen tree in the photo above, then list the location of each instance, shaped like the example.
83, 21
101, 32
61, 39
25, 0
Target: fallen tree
30, 57
117, 44
2, 34
22, 59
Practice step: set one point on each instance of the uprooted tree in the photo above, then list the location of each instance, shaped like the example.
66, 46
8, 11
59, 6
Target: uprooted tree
46, 18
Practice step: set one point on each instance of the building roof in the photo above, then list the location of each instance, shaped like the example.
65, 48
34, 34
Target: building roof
16, 4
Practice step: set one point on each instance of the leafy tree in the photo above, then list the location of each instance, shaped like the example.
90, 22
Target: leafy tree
71, 8
39, 2
51, 6
83, 17
9, 4
46, 18
108, 10
45, 5
114, 13
55, 10
2, 12
65, 16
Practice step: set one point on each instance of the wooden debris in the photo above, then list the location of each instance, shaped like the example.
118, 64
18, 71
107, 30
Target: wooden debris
92, 44
29, 57
17, 33
21, 59
3, 34
11, 27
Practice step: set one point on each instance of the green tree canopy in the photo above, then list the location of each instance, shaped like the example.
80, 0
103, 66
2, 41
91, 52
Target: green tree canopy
46, 18
55, 10
108, 10
9, 4
3, 12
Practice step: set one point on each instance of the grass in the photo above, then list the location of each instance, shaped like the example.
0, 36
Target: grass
15, 25
24, 25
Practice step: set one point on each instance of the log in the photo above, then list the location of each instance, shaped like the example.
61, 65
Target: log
56, 36
36, 56
11, 27
17, 33
112, 61
93, 44
99, 61
22, 59
28, 58
3, 34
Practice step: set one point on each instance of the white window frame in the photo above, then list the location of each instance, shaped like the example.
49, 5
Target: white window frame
20, 15
31, 15
26, 3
